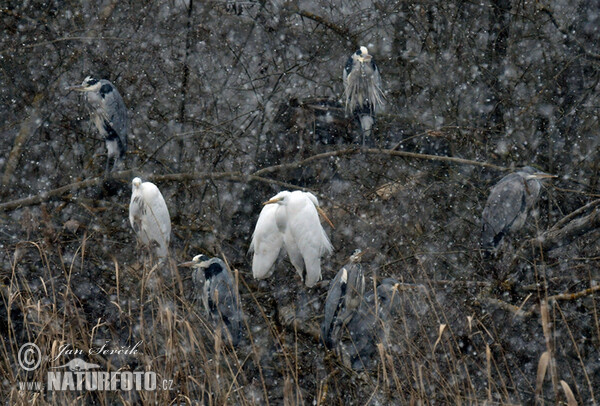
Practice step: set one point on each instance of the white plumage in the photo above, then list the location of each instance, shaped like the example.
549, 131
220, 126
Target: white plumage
290, 219
149, 216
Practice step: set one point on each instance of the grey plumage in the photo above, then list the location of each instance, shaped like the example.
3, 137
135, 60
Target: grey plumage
343, 298
508, 204
215, 285
362, 89
109, 115
370, 326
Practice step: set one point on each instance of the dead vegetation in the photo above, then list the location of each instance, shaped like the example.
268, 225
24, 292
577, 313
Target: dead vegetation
222, 121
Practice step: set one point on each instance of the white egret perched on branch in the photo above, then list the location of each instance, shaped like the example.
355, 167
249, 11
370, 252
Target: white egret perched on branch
219, 294
109, 114
508, 204
290, 219
343, 298
149, 217
362, 89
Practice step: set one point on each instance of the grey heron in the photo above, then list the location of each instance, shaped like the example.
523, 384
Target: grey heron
370, 325
343, 298
109, 115
149, 217
362, 89
215, 284
290, 219
508, 204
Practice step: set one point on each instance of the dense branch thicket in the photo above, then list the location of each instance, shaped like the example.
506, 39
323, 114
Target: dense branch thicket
229, 102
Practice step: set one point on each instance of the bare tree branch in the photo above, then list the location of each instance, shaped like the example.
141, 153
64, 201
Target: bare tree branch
236, 176
558, 237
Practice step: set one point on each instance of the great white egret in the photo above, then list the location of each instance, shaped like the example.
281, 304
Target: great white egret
362, 89
149, 217
508, 204
343, 298
290, 219
219, 294
109, 114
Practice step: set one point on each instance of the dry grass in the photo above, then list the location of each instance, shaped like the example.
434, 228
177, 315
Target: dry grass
438, 352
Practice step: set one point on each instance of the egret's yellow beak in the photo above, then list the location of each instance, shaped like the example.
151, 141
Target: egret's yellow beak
277, 200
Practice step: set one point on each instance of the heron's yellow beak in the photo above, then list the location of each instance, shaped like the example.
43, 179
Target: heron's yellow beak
364, 58
187, 264
542, 175
360, 254
322, 213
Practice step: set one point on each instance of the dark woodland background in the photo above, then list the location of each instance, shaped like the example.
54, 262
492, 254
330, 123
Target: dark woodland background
221, 93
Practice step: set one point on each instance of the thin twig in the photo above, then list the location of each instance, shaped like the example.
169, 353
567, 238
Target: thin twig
576, 295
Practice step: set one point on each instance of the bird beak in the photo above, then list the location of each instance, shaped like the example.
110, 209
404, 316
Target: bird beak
542, 175
364, 58
322, 213
187, 264
363, 252
272, 201
79, 88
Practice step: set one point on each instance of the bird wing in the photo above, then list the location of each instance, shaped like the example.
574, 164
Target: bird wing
224, 303
347, 70
305, 227
376, 94
266, 242
363, 329
333, 304
293, 251
505, 208
137, 210
116, 112
150, 218
362, 88
356, 285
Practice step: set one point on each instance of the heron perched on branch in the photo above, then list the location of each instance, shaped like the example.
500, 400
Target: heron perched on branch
343, 298
509, 202
215, 284
109, 114
149, 217
370, 325
290, 219
362, 89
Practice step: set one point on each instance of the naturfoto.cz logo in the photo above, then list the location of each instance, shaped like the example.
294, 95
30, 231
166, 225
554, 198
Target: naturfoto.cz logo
79, 375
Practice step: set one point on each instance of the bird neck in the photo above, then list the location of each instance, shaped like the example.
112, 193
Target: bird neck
212, 270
